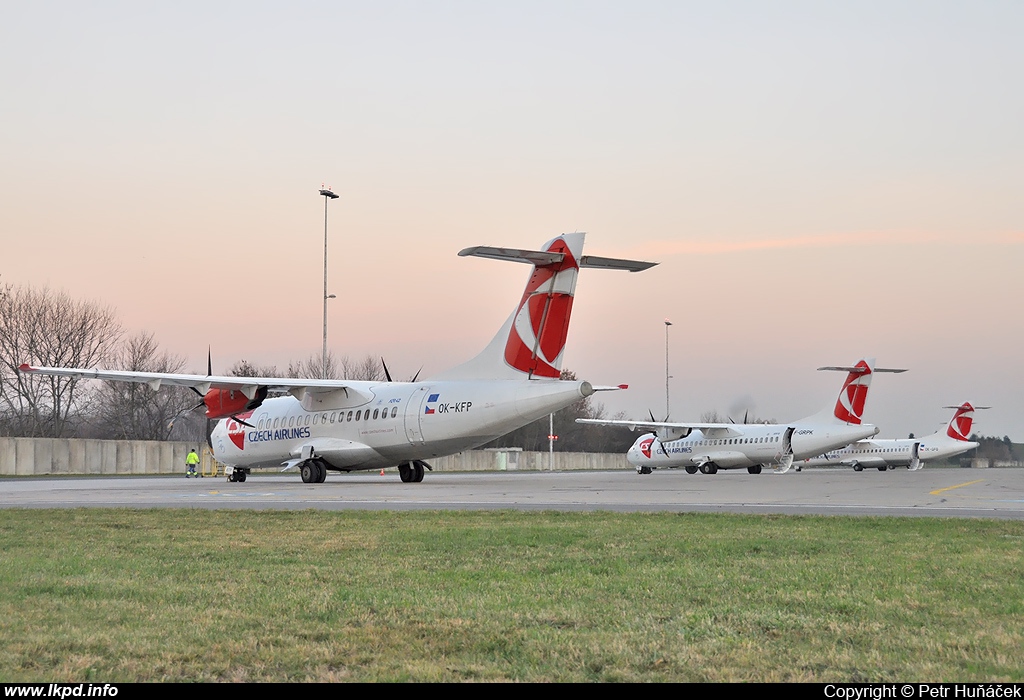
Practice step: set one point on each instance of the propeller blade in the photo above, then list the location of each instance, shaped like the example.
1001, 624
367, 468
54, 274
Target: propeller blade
386, 373
417, 375
182, 413
242, 422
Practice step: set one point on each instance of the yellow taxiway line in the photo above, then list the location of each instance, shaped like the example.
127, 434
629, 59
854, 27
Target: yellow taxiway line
936, 492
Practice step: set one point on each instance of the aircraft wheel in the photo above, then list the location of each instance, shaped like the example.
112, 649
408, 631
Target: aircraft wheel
858, 468
883, 468
756, 469
321, 474
417, 475
232, 477
405, 472
307, 473
708, 468
240, 477
690, 469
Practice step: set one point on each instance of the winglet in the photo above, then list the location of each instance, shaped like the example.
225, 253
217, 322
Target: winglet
25, 367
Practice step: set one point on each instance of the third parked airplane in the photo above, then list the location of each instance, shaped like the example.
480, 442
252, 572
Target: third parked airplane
909, 452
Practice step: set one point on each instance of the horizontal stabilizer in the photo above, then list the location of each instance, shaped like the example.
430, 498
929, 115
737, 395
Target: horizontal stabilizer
534, 257
859, 370
615, 263
541, 258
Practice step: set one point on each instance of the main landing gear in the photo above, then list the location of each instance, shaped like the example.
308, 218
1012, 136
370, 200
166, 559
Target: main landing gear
237, 475
313, 471
412, 472
644, 470
756, 469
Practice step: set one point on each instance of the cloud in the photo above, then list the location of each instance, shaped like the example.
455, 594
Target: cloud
829, 240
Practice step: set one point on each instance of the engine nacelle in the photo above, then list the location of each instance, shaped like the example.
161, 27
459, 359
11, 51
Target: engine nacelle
223, 403
672, 434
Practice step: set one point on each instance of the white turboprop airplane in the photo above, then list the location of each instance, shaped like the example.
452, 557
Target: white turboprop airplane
713, 446
910, 452
342, 425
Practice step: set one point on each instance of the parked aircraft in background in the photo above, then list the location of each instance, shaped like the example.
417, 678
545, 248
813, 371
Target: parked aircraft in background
909, 452
341, 425
713, 446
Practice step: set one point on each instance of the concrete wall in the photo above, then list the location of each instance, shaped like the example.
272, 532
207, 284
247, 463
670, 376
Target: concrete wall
41, 456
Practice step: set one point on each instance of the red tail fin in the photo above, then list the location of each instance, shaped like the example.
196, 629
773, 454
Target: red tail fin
537, 336
960, 427
850, 405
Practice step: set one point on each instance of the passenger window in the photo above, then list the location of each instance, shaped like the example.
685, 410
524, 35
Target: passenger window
394, 411
359, 414
316, 418
349, 419
375, 412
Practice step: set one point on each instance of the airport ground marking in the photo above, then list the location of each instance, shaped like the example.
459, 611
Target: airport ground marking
937, 492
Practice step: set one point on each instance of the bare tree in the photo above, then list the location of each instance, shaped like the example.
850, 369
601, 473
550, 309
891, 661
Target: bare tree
244, 368
130, 411
48, 328
367, 369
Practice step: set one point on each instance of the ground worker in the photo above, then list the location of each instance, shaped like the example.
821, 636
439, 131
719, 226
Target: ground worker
190, 464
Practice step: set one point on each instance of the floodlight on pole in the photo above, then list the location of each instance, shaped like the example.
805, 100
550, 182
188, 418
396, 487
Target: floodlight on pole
328, 196
667, 376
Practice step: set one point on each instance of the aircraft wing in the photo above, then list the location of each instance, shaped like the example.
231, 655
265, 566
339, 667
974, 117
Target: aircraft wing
711, 430
202, 383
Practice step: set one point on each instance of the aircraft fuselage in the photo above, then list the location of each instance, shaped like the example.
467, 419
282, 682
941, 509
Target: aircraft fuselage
402, 422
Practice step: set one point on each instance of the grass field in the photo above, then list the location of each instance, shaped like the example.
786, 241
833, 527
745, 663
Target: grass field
148, 595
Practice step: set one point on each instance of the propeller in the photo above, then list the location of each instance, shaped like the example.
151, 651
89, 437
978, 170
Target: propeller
388, 374
654, 420
746, 414
202, 404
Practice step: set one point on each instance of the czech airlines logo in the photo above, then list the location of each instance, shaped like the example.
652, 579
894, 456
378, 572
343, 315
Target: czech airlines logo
429, 410
541, 322
850, 406
645, 447
236, 431
960, 427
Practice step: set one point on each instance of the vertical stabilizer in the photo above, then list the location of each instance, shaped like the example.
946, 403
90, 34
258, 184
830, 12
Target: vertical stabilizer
963, 420
850, 405
531, 343
849, 408
960, 426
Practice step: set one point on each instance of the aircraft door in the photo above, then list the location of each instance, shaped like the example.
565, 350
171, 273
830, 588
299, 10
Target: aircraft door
787, 442
413, 414
915, 457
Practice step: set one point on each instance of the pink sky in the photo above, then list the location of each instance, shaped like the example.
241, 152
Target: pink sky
818, 185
